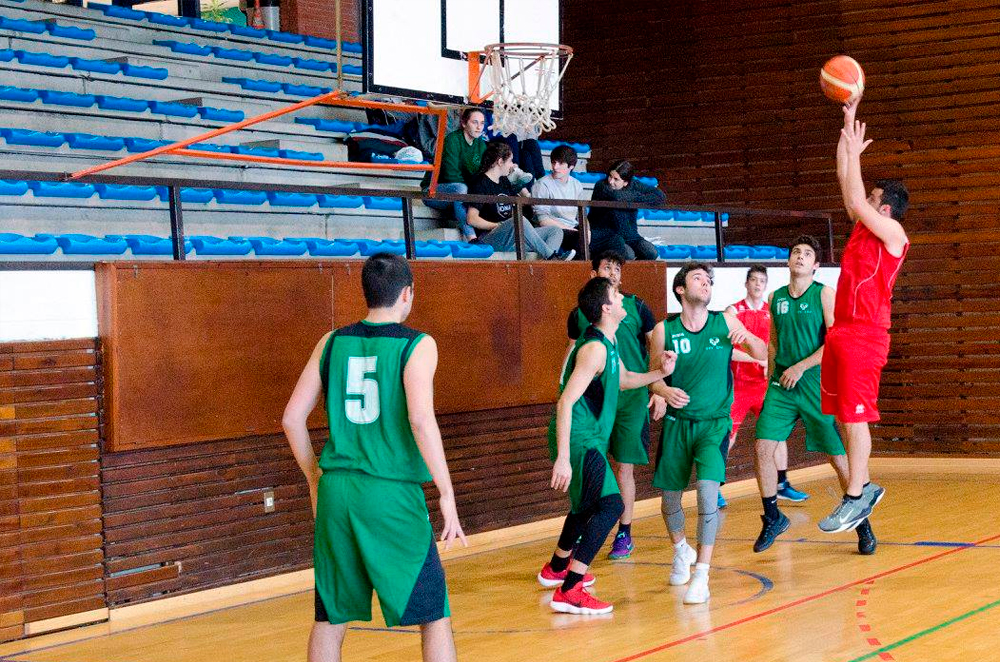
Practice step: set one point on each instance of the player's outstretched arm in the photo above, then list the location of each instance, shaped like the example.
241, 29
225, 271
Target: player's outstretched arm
674, 396
850, 109
294, 421
590, 361
742, 338
418, 382
662, 367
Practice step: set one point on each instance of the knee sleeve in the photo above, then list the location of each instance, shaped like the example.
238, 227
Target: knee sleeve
673, 514
708, 511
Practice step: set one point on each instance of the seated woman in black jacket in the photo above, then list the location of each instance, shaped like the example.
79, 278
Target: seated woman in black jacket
616, 229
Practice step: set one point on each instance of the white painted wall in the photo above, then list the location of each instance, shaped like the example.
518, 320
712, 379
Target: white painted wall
47, 305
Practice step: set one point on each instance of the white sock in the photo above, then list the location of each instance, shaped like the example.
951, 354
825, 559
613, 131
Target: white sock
701, 568
681, 546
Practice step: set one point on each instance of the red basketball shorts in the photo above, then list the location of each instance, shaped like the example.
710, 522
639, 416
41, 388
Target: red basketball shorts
853, 359
748, 396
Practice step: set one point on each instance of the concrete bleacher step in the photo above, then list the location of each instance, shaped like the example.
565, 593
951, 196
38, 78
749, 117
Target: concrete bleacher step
176, 69
332, 151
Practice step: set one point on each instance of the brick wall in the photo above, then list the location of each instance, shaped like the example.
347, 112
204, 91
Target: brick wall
318, 18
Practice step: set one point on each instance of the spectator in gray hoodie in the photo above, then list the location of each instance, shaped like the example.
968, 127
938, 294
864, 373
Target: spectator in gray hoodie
560, 185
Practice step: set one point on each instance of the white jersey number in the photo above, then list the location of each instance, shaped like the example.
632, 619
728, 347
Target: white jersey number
367, 409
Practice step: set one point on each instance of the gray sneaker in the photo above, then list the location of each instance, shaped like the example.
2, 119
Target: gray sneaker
846, 516
873, 493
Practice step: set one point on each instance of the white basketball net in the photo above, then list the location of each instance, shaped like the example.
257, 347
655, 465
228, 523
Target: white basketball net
524, 78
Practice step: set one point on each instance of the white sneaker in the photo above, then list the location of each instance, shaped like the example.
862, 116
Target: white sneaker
680, 573
697, 592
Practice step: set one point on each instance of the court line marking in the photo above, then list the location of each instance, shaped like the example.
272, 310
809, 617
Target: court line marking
924, 633
800, 601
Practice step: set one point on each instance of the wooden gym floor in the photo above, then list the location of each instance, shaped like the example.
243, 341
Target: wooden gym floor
931, 592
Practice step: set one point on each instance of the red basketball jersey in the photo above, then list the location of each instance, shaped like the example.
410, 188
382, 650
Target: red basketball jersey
757, 322
867, 275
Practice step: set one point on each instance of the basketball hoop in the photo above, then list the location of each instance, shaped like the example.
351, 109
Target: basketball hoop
523, 77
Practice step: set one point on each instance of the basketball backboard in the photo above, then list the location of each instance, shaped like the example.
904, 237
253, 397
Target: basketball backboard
416, 48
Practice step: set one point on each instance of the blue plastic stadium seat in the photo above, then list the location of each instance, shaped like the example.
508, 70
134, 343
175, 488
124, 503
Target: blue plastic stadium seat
220, 114
182, 47
122, 103
70, 32
289, 199
85, 244
234, 197
341, 201
471, 251
95, 66
304, 90
197, 195
33, 138
319, 42
15, 244
674, 252
205, 245
125, 192
705, 253
762, 252
549, 145
432, 249
661, 215
589, 177
781, 253
8, 93
349, 69
335, 126
232, 54
247, 31
19, 25
254, 85
372, 246
302, 156
652, 181
272, 59
13, 187
687, 216
173, 109
139, 145
285, 37
330, 248
736, 252
388, 204
311, 64
257, 151
41, 59
67, 99
208, 26
352, 47
88, 141
6, 55
146, 244
211, 147
153, 73
271, 246
61, 190
117, 11
167, 19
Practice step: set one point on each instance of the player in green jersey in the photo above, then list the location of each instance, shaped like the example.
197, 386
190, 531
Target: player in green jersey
697, 425
579, 435
630, 435
372, 525
801, 313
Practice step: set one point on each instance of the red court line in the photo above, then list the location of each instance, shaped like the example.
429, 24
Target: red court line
801, 601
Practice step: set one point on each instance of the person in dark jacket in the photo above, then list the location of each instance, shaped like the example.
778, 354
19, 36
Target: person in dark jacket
617, 229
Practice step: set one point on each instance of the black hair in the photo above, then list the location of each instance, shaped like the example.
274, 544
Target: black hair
895, 195
383, 277
613, 257
624, 169
496, 150
467, 113
756, 269
564, 154
680, 280
810, 241
593, 297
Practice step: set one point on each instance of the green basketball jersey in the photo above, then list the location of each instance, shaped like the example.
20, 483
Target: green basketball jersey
594, 412
799, 325
703, 370
362, 372
631, 334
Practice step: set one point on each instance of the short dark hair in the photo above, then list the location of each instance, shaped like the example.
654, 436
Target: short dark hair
614, 257
756, 269
496, 150
383, 277
895, 195
467, 113
680, 280
564, 154
593, 297
810, 241
624, 169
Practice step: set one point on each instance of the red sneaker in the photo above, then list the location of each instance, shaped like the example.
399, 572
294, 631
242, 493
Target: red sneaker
549, 578
578, 601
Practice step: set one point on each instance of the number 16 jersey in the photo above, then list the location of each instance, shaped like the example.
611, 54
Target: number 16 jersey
362, 372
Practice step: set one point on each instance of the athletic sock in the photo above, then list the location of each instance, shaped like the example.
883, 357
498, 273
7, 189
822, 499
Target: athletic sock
558, 563
681, 546
572, 579
625, 528
701, 568
782, 476
852, 497
770, 507
866, 485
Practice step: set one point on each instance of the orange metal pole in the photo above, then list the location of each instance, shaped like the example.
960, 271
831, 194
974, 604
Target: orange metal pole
329, 96
360, 165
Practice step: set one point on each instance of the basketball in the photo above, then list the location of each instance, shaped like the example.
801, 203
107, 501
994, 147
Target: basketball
842, 79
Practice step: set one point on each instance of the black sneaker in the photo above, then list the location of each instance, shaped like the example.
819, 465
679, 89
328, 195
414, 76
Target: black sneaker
866, 539
772, 529
562, 255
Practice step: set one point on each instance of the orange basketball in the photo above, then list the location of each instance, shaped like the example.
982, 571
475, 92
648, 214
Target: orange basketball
842, 79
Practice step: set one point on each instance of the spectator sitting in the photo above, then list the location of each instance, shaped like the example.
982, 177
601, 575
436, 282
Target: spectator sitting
560, 185
494, 221
460, 159
616, 229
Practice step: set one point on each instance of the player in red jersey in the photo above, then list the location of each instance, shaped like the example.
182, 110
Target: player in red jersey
750, 375
857, 346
